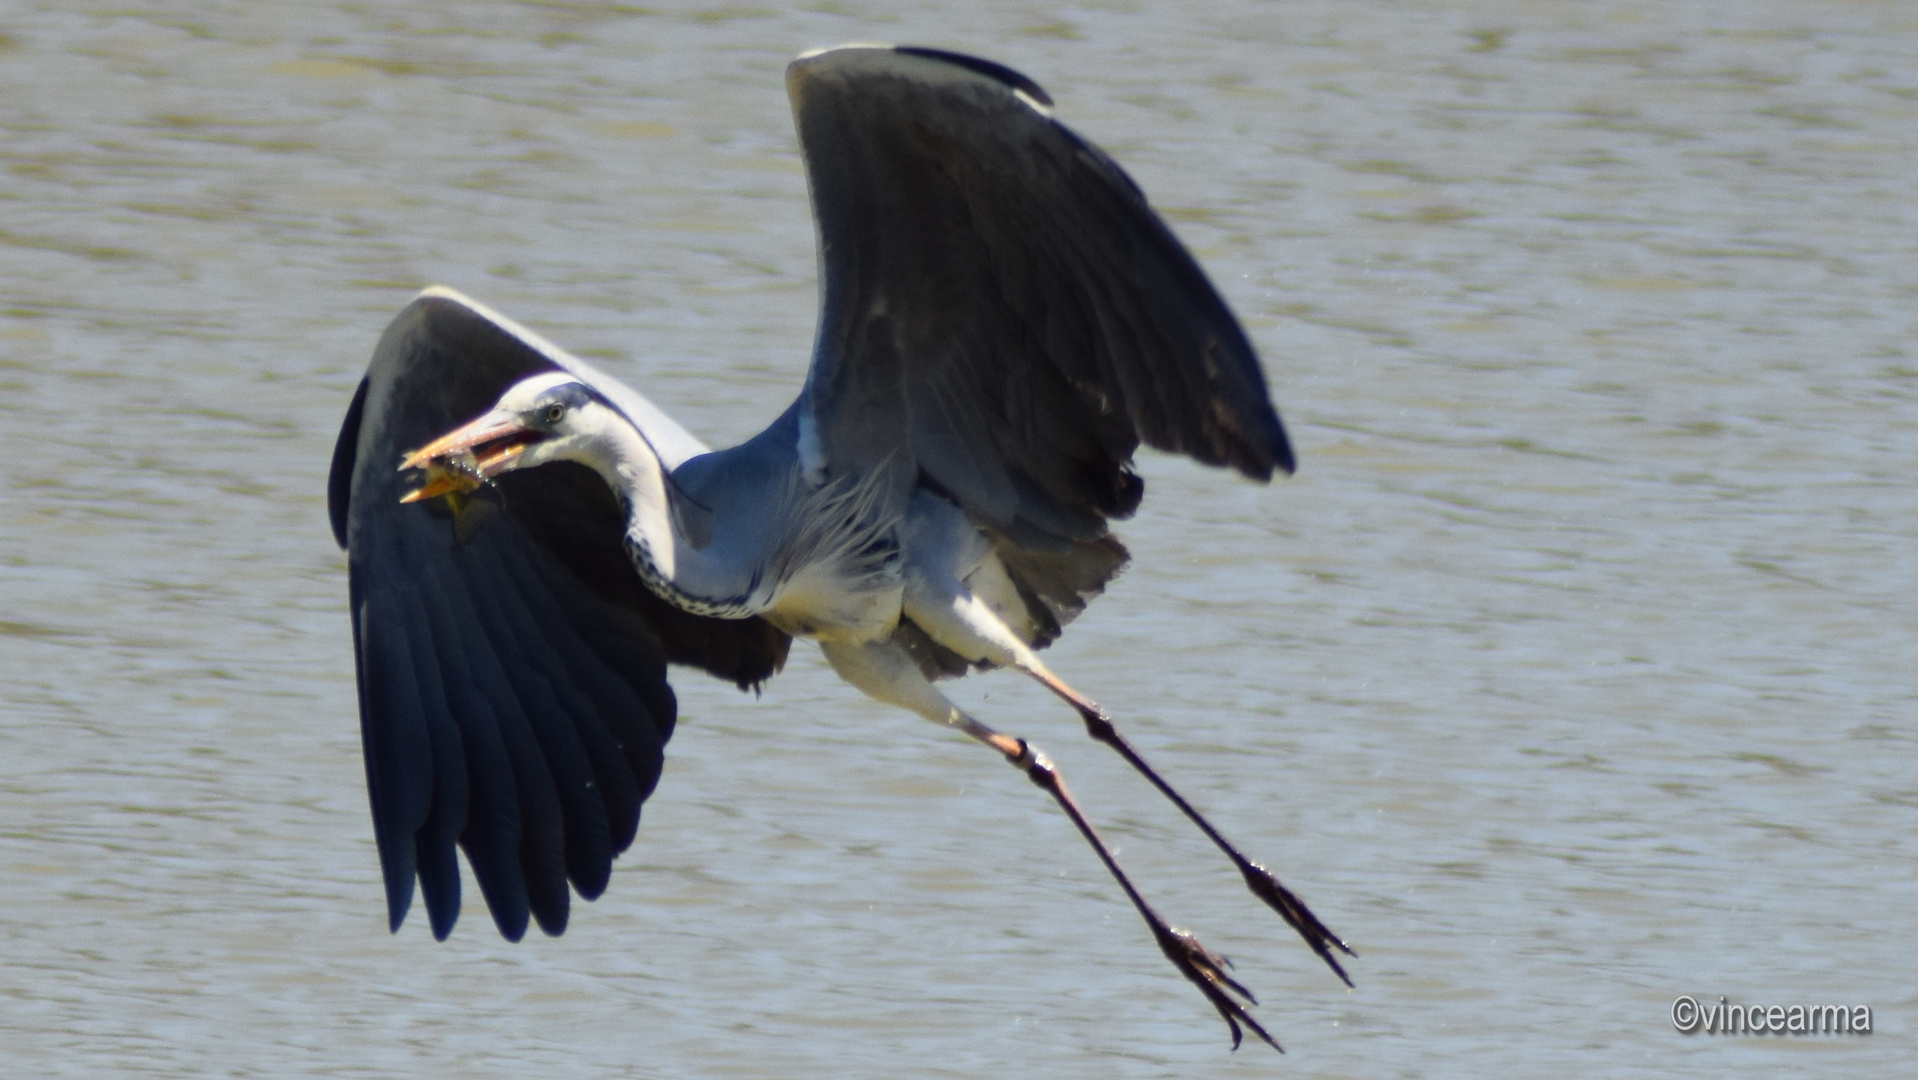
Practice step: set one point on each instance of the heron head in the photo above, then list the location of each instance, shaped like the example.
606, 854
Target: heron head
548, 417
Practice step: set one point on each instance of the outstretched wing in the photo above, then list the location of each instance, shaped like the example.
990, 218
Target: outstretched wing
512, 675
999, 297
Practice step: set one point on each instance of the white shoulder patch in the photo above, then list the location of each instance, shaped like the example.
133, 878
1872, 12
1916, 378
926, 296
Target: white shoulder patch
812, 454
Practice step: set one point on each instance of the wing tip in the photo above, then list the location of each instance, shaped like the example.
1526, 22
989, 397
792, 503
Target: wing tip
1275, 456
1254, 455
399, 900
1283, 457
511, 925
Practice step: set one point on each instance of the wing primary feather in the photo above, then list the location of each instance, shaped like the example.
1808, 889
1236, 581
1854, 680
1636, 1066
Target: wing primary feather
1219, 389
630, 762
542, 840
516, 822
595, 701
528, 636
339, 477
618, 638
491, 838
435, 840
393, 737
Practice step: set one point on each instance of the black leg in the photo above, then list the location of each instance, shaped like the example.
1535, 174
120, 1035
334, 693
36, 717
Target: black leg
1205, 968
1263, 883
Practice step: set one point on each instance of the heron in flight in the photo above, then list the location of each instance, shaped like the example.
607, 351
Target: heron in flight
1003, 321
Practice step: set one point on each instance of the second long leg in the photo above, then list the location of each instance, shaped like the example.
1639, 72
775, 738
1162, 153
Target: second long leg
886, 673
1263, 883
963, 622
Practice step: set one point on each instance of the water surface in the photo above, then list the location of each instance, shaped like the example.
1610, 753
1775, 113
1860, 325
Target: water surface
1572, 673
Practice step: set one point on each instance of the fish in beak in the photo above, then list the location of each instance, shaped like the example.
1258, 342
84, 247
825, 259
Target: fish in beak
465, 458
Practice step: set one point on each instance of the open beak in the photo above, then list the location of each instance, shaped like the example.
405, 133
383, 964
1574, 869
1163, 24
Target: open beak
464, 458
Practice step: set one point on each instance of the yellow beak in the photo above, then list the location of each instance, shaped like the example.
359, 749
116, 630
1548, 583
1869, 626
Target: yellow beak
488, 428
453, 462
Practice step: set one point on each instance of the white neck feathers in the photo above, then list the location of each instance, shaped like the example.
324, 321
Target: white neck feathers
671, 562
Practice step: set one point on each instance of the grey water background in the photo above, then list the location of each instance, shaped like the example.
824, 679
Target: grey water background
1573, 672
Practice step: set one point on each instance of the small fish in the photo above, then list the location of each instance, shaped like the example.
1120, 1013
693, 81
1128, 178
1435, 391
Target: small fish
470, 498
453, 476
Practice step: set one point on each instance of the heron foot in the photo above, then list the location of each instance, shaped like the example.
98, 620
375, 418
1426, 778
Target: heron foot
1205, 968
1265, 885
1207, 971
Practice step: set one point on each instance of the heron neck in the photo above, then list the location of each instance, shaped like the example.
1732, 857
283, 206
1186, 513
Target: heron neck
668, 538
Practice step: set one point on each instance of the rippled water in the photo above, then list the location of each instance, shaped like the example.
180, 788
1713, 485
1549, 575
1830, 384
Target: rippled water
1573, 672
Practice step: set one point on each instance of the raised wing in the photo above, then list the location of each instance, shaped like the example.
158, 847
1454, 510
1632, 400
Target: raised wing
999, 297
512, 676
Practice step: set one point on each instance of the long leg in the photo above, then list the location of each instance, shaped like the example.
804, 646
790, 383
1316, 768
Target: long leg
886, 673
962, 622
1263, 883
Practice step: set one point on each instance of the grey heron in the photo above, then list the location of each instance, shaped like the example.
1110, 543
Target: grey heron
1004, 319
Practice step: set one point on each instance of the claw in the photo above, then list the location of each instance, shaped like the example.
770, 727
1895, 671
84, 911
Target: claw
1206, 970
1260, 880
1266, 887
1203, 967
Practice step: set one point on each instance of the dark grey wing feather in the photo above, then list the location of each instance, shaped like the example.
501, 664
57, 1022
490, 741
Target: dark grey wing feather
997, 289
513, 692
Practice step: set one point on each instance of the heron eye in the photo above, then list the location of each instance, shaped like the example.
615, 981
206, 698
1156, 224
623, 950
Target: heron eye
554, 412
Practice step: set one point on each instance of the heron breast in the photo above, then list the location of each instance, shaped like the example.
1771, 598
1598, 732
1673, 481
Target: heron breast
826, 605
